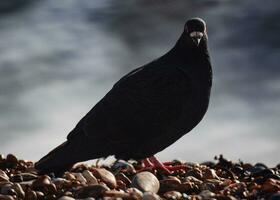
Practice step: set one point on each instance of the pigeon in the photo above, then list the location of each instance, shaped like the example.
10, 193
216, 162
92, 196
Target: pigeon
146, 111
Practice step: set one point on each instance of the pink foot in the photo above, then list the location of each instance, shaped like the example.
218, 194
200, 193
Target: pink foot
153, 163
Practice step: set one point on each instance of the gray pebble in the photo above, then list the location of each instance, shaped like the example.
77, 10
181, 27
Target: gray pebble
146, 182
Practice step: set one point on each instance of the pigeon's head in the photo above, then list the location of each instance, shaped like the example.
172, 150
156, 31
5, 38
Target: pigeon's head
195, 29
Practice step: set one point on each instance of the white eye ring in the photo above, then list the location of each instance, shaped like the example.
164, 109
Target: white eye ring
196, 34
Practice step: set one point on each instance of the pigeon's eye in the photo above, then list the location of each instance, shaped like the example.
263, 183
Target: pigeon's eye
196, 34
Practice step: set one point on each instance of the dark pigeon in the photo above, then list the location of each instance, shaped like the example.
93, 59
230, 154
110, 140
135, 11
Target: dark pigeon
147, 110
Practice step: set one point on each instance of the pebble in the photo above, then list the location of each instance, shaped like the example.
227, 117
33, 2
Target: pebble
12, 159
135, 193
220, 180
19, 191
173, 195
2, 157
271, 185
6, 197
94, 191
197, 173
3, 176
66, 198
150, 196
106, 176
42, 181
116, 194
123, 178
275, 196
209, 174
90, 179
146, 182
80, 177
122, 165
169, 183
28, 176
7, 190
206, 194
30, 195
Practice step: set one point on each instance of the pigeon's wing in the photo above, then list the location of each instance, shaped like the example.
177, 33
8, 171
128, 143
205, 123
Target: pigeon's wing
139, 104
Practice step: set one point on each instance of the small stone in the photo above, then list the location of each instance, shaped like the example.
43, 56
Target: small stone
51, 188
66, 198
95, 191
39, 194
69, 176
197, 197
208, 186
121, 185
89, 177
209, 174
16, 178
275, 196
11, 159
80, 177
116, 194
6, 197
146, 182
150, 196
186, 187
197, 173
41, 182
30, 195
68, 193
20, 193
106, 176
2, 157
261, 165
223, 197
135, 193
123, 178
62, 183
169, 183
173, 195
122, 165
193, 180
171, 180
28, 176
271, 185
7, 190
206, 194
3, 176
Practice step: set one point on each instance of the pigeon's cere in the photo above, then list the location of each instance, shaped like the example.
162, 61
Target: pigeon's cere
147, 110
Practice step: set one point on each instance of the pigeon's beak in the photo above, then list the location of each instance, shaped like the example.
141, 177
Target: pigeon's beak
196, 37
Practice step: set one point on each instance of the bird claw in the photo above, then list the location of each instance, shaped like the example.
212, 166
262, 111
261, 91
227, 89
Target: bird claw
152, 163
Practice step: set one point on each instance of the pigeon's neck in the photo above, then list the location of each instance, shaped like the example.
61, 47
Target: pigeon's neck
187, 51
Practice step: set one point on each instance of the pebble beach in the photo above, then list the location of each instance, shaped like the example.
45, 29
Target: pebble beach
220, 179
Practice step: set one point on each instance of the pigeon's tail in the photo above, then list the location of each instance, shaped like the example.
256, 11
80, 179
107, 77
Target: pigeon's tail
59, 160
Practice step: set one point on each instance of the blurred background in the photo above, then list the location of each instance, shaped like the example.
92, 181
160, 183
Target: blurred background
58, 59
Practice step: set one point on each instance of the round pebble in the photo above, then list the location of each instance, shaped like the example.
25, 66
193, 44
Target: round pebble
146, 182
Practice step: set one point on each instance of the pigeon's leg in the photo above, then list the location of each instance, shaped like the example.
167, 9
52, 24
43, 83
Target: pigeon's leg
147, 163
153, 163
158, 165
